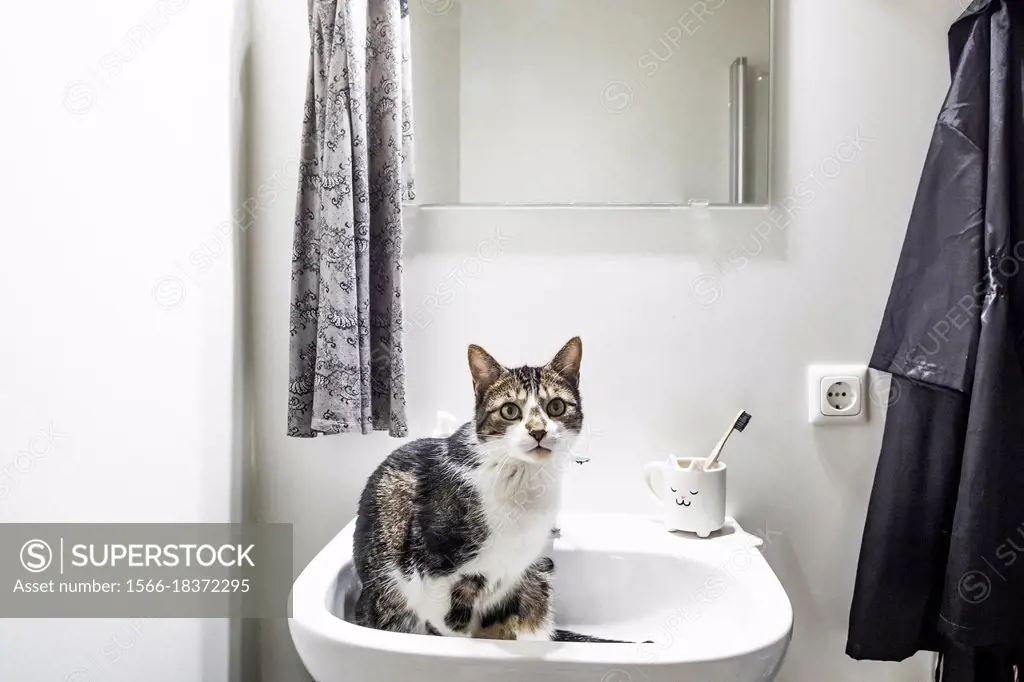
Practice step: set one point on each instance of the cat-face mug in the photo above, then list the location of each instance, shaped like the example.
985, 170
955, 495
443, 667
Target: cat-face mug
692, 499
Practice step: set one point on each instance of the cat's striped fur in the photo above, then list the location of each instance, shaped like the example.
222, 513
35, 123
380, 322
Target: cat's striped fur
451, 531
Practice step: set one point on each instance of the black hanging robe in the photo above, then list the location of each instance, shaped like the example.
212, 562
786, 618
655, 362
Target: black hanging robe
942, 558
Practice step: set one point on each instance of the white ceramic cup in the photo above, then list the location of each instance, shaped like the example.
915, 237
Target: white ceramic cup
692, 499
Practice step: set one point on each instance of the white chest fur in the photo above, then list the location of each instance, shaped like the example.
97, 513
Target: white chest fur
521, 505
520, 502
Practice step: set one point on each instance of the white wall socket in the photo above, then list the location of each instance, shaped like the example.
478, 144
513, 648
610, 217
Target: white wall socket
836, 394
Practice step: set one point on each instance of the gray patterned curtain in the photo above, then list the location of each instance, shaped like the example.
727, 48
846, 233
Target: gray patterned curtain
346, 368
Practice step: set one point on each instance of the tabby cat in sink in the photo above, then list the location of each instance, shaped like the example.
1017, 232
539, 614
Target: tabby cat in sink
451, 531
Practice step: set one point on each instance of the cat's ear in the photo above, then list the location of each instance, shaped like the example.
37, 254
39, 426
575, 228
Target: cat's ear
484, 368
567, 361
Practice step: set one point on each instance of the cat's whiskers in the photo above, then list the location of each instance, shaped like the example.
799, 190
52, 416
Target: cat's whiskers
496, 482
503, 478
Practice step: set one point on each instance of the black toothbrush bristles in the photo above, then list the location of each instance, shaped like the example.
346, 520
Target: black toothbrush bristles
740, 423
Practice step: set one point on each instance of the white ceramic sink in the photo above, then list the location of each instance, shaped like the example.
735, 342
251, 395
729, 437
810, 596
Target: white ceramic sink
713, 609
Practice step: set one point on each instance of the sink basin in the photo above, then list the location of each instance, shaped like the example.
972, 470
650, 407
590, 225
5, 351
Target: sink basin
712, 609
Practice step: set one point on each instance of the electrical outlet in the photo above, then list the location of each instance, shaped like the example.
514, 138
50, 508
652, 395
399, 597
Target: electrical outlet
839, 397
836, 394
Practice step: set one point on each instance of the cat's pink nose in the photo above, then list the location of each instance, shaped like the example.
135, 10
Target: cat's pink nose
538, 434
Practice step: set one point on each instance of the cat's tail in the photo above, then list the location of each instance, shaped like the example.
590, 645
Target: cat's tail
570, 636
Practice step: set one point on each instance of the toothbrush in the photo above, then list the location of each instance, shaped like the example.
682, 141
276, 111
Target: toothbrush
738, 424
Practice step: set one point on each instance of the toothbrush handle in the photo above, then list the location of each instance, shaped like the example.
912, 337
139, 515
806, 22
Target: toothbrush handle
711, 459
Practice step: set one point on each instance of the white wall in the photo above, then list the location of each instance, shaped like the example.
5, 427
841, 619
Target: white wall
674, 344
116, 384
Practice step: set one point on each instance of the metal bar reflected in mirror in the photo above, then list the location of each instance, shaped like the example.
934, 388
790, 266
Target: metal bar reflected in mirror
738, 132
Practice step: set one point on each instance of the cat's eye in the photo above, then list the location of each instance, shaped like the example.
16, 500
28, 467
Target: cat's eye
556, 407
509, 411
694, 492
673, 489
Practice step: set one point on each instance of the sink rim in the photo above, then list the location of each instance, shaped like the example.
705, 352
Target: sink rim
592, 531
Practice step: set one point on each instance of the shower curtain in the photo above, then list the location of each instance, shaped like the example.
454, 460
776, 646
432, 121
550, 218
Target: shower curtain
346, 370
940, 562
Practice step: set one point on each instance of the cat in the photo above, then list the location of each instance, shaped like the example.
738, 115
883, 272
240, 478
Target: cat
451, 531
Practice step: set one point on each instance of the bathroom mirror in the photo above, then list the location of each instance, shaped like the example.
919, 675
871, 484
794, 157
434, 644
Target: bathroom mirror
594, 102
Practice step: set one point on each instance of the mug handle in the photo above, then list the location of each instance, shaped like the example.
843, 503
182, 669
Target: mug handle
654, 477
